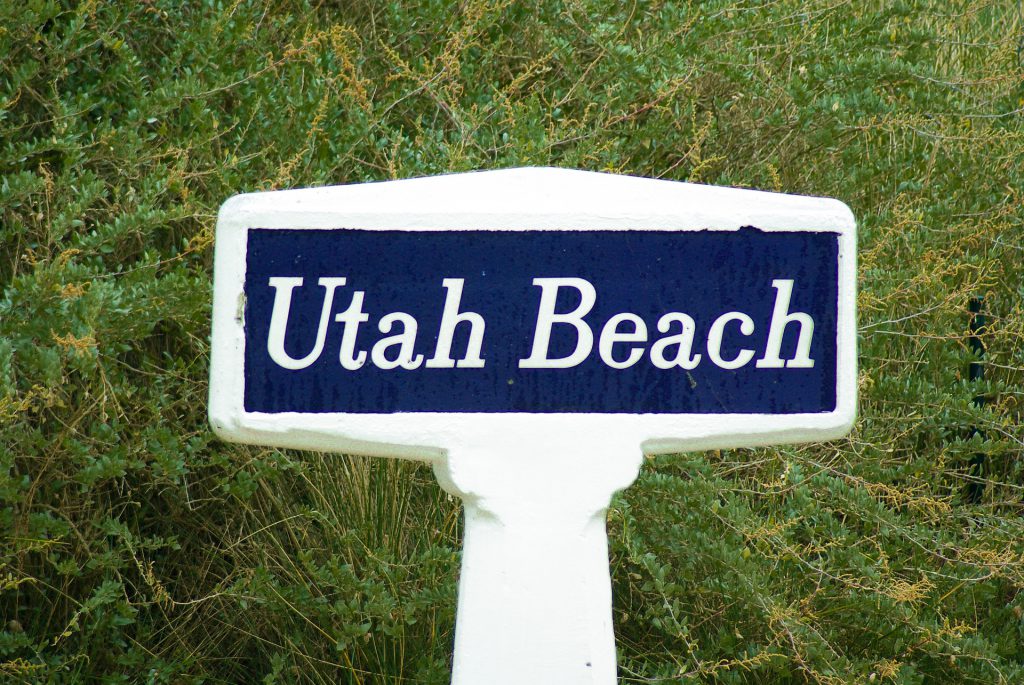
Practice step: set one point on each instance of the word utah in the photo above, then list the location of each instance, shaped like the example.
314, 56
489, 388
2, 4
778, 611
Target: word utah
621, 343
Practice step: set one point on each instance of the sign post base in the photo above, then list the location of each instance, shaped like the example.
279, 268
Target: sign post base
535, 603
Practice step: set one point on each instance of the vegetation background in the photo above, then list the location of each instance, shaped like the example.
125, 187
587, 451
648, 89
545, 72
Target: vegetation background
136, 548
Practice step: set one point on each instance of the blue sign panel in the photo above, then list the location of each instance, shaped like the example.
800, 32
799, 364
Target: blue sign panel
638, 322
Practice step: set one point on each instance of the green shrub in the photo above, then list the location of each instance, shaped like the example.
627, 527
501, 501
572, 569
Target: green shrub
137, 548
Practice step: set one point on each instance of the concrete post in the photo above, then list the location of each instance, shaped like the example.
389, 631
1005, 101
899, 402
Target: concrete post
535, 603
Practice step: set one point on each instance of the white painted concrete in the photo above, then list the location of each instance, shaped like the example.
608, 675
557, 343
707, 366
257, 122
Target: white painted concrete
535, 597
534, 591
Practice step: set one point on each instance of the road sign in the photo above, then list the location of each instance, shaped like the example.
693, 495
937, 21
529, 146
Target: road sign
529, 331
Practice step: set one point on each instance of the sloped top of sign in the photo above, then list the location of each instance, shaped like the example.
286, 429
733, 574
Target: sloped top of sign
563, 199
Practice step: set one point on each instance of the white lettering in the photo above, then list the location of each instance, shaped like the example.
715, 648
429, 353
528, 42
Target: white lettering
623, 342
352, 317
283, 287
546, 318
780, 319
610, 335
451, 317
683, 342
715, 340
406, 340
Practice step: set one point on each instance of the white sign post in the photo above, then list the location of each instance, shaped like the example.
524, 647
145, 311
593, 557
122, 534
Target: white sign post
532, 333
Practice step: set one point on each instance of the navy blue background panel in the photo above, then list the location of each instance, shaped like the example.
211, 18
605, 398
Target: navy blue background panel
701, 273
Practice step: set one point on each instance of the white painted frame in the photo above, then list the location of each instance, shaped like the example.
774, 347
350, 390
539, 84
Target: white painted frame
518, 199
